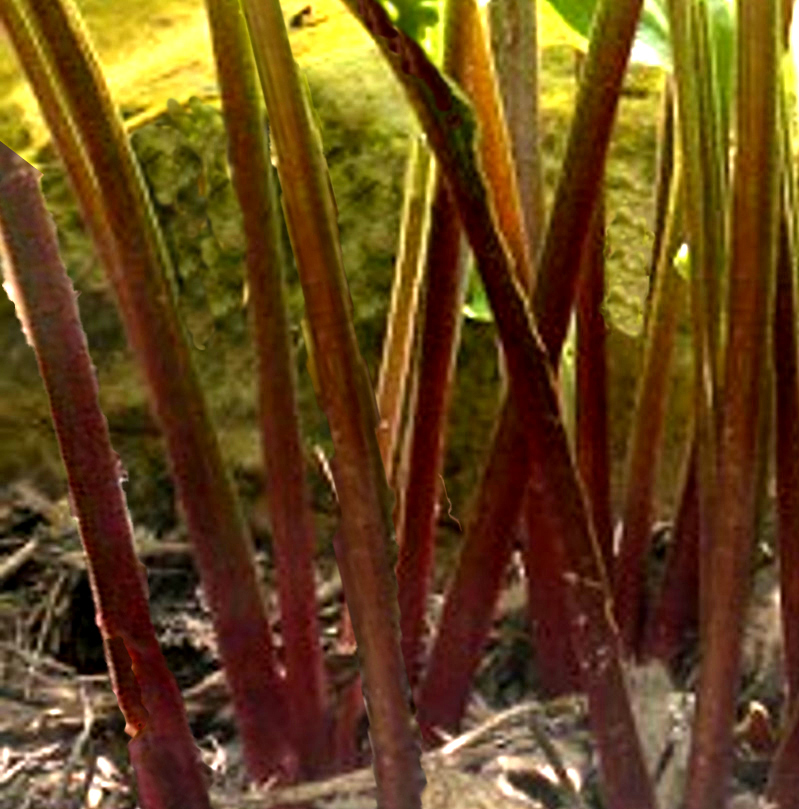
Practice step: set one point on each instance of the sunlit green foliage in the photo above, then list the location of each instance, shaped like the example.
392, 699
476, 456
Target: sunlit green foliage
652, 44
413, 17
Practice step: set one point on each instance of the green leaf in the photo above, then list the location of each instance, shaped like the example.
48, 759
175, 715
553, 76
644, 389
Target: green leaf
413, 17
653, 45
476, 306
577, 14
682, 263
721, 14
568, 377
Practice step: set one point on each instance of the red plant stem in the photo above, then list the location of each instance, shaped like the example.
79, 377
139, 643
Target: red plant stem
350, 710
782, 789
468, 60
578, 191
556, 663
646, 439
137, 271
403, 466
783, 782
403, 312
292, 523
676, 613
787, 382
286, 488
662, 307
514, 39
450, 127
754, 230
663, 174
592, 411
352, 704
366, 554
444, 299
466, 618
163, 753
468, 609
473, 69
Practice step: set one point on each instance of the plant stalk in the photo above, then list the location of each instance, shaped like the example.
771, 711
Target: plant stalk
367, 548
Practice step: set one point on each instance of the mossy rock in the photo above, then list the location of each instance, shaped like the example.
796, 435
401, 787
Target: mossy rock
365, 126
